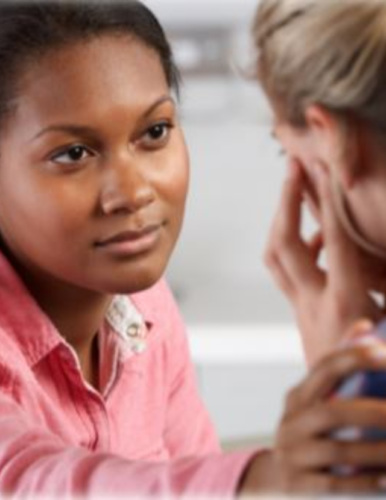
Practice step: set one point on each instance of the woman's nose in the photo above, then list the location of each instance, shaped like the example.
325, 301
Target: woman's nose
125, 188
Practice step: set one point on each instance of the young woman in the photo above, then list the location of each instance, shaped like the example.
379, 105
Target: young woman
97, 393
93, 187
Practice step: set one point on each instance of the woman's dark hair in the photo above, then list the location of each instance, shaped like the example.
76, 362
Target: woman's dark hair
31, 29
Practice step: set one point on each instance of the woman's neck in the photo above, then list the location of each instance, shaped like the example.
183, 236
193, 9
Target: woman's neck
78, 316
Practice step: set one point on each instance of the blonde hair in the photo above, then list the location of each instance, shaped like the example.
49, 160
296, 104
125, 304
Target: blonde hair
330, 52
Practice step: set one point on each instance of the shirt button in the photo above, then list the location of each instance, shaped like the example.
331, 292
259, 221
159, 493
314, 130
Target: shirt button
133, 330
139, 347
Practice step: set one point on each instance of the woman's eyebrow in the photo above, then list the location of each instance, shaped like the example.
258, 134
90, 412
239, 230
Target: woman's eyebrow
161, 100
89, 131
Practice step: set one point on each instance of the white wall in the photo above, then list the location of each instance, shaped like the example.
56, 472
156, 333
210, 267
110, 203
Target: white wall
203, 11
225, 291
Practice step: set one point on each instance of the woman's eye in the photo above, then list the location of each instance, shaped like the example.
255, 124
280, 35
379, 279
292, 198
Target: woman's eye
72, 154
157, 134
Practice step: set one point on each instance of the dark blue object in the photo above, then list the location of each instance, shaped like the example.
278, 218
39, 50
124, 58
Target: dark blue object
369, 384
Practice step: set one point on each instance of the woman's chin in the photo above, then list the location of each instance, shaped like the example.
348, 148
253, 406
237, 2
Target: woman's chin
133, 282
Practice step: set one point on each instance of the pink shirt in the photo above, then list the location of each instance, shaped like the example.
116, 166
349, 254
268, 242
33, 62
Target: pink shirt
145, 432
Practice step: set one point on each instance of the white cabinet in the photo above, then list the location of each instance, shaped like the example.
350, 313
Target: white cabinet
244, 374
246, 401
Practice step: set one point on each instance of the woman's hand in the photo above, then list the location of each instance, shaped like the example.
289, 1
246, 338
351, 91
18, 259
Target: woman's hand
305, 455
326, 302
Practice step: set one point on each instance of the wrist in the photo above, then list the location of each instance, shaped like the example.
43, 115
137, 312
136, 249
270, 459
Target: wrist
258, 476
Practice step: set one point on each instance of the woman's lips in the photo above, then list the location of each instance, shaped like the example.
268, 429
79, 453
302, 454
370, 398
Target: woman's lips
132, 242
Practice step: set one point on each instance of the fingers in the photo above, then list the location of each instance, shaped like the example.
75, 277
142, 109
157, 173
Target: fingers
342, 255
374, 271
324, 419
280, 275
278, 472
323, 454
330, 371
289, 258
318, 483
311, 197
316, 245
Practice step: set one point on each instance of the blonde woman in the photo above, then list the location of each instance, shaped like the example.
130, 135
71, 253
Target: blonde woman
323, 67
322, 64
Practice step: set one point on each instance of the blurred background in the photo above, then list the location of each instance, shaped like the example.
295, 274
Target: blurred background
243, 339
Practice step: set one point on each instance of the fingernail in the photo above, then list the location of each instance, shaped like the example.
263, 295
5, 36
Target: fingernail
359, 333
368, 340
361, 327
377, 351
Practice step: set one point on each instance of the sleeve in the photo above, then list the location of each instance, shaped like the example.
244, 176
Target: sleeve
35, 462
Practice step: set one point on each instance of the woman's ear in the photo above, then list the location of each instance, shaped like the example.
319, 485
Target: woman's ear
339, 143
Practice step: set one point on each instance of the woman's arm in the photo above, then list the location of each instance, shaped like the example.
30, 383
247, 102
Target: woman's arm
34, 461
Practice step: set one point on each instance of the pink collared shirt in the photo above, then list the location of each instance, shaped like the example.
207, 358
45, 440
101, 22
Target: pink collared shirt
145, 432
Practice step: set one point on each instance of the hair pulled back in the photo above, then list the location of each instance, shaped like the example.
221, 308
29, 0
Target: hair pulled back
29, 30
330, 52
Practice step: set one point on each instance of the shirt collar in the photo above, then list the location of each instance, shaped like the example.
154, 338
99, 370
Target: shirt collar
22, 319
36, 336
125, 319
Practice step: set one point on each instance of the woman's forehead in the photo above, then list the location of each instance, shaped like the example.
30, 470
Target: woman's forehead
86, 77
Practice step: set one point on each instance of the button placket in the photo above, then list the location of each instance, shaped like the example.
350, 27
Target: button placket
136, 335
